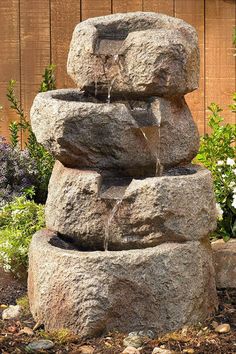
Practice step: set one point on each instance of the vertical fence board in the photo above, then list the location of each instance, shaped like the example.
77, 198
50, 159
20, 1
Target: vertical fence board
64, 17
163, 6
126, 5
93, 8
220, 62
35, 47
9, 58
192, 12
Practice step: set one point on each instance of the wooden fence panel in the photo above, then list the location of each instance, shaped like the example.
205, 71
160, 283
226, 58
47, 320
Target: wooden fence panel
9, 58
35, 47
35, 33
219, 59
93, 8
126, 5
193, 12
163, 6
64, 17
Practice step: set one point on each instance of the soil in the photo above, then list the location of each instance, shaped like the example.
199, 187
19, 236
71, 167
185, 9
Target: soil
201, 339
11, 289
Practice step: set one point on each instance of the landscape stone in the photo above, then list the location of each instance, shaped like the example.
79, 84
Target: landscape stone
152, 210
85, 133
131, 350
102, 291
85, 349
158, 350
139, 54
224, 255
133, 341
38, 345
223, 328
11, 312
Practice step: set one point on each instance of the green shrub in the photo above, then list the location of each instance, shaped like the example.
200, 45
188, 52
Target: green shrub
217, 153
42, 158
19, 220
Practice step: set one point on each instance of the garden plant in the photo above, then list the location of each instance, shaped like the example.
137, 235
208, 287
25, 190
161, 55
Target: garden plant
24, 176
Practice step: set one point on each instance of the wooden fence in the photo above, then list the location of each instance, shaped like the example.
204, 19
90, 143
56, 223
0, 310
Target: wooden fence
36, 32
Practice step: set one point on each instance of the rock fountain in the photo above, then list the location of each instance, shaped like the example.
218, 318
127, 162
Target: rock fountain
128, 216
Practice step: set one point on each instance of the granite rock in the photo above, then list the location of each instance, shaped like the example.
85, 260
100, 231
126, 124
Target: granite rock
224, 255
135, 54
146, 212
120, 138
130, 290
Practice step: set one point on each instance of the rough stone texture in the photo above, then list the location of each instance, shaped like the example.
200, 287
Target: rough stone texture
152, 210
224, 256
160, 288
85, 133
141, 54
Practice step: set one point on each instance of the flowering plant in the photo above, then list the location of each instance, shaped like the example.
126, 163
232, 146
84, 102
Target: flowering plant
18, 172
217, 152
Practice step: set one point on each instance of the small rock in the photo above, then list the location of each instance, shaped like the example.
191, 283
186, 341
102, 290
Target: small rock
27, 330
131, 350
188, 351
133, 341
42, 344
3, 306
11, 312
184, 330
150, 334
214, 324
158, 350
85, 349
223, 328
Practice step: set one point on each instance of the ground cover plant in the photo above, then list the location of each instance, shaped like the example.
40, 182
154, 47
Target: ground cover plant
217, 153
19, 220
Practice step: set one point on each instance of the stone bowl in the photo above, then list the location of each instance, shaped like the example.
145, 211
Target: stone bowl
91, 293
134, 55
95, 213
120, 138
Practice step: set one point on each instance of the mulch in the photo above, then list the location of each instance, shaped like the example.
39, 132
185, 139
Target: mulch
201, 339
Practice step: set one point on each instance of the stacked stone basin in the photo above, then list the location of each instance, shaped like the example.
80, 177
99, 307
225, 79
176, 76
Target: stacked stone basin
128, 215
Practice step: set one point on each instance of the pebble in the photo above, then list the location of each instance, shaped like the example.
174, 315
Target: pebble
133, 341
223, 328
85, 349
150, 334
42, 344
158, 350
214, 324
27, 330
131, 350
11, 312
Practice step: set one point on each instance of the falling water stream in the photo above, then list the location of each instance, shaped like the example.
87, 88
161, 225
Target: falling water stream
156, 153
159, 167
109, 221
109, 90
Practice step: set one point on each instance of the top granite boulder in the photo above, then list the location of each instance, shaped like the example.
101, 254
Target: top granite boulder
135, 54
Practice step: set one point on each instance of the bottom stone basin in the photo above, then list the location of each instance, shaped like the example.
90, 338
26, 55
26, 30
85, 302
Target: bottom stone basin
160, 288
